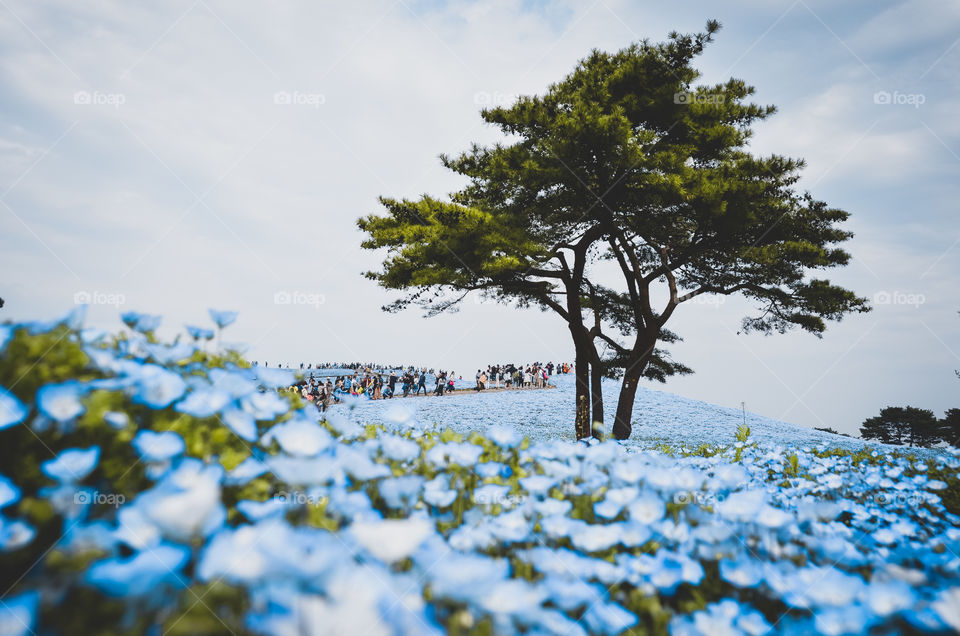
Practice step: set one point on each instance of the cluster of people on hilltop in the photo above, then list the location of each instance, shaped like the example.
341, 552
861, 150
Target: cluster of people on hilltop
529, 376
378, 385
353, 366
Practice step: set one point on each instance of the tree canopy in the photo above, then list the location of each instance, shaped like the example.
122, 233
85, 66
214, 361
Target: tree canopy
628, 160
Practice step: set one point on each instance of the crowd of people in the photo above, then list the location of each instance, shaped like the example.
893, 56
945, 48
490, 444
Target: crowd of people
373, 384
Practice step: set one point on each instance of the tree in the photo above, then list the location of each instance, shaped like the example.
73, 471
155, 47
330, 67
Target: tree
903, 425
623, 160
949, 427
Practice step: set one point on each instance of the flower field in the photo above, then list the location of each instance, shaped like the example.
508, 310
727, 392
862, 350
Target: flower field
158, 488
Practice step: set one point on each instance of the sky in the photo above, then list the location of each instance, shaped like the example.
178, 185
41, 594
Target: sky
172, 157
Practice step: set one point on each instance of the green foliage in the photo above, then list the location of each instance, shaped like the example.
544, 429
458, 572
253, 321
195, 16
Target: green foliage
903, 425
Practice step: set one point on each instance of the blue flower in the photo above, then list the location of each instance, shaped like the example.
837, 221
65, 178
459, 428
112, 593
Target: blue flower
223, 318
61, 402
12, 410
6, 332
186, 502
157, 387
257, 511
141, 573
15, 535
250, 468
203, 401
392, 540
18, 614
116, 419
158, 447
241, 423
9, 492
504, 436
72, 464
300, 437
401, 492
608, 618
144, 323
200, 333
399, 448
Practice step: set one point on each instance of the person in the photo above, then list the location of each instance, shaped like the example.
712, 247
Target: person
392, 384
422, 384
439, 389
483, 382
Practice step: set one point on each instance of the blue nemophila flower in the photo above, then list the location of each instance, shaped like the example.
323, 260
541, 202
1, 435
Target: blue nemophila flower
237, 383
357, 463
569, 592
116, 419
141, 573
186, 502
538, 485
18, 614
265, 406
241, 423
504, 436
250, 468
437, 492
608, 618
512, 597
61, 402
613, 502
648, 507
490, 494
461, 577
168, 354
257, 511
744, 572
462, 454
401, 492
299, 436
72, 465
15, 534
203, 401
144, 323
158, 447
157, 387
822, 587
596, 537
399, 448
12, 410
6, 332
9, 492
223, 318
392, 540
199, 333
743, 505
724, 617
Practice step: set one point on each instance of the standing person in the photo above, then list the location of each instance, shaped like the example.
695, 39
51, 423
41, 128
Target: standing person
422, 384
406, 384
483, 381
392, 383
377, 387
328, 396
439, 389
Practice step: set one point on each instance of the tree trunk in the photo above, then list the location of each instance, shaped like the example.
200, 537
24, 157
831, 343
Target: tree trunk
596, 390
636, 363
582, 372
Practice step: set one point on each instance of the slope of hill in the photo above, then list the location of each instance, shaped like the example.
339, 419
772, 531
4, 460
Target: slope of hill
658, 417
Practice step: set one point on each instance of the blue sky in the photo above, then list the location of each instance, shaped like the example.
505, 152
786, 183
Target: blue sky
174, 157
